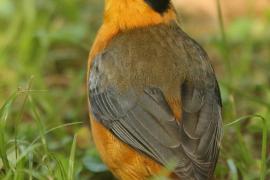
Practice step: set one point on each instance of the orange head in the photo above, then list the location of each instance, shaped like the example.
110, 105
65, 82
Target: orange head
127, 14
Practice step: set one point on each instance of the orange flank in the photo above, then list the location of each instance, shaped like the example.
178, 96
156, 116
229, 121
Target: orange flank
175, 105
123, 161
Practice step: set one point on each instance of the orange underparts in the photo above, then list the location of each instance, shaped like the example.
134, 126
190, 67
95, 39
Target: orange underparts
123, 161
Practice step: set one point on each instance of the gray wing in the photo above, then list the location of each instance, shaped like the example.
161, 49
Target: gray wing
144, 120
201, 130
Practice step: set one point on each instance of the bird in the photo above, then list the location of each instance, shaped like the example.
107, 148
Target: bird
154, 101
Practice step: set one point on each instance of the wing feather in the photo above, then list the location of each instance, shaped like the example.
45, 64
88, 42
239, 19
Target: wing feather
143, 119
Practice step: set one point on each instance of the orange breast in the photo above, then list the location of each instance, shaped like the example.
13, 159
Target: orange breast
123, 161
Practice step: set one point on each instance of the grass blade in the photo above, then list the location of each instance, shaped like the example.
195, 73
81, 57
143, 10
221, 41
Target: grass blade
4, 112
72, 159
264, 140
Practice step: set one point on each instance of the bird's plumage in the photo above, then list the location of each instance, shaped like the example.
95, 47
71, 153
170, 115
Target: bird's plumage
132, 83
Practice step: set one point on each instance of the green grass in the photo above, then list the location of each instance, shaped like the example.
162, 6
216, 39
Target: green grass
44, 47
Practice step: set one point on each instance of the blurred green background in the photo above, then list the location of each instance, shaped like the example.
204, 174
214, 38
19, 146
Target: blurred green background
44, 47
